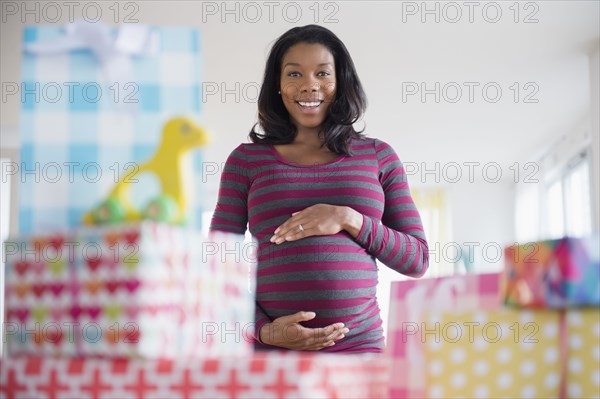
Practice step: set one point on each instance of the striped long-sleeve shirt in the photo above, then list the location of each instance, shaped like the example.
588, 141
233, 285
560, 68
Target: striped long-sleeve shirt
336, 275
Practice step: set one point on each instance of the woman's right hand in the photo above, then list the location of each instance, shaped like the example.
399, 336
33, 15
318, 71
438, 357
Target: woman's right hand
287, 332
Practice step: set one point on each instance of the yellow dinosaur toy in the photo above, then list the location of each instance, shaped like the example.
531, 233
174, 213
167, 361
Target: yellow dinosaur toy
179, 136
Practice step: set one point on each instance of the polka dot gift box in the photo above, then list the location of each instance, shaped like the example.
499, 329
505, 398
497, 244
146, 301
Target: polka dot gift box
409, 302
492, 354
512, 354
582, 344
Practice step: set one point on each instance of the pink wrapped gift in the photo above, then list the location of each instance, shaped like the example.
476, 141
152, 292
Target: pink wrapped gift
409, 302
263, 375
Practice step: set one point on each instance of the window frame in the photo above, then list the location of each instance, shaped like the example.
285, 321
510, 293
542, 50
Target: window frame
560, 175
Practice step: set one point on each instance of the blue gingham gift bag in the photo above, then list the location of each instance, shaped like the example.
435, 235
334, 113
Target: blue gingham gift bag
88, 114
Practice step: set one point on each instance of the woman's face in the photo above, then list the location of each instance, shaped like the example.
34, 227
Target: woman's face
307, 83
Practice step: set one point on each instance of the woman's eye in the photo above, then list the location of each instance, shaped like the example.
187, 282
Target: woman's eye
324, 73
293, 74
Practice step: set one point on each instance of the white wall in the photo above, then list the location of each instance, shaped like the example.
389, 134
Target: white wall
482, 216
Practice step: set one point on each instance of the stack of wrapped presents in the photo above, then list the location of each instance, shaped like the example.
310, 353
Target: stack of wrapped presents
134, 290
150, 310
532, 331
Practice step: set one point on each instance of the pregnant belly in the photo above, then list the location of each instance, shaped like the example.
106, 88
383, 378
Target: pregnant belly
330, 275
334, 262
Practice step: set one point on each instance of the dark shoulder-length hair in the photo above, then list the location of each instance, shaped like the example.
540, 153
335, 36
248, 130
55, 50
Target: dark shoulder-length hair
348, 106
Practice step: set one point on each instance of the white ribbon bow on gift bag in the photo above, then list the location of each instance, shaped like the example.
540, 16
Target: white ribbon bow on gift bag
113, 52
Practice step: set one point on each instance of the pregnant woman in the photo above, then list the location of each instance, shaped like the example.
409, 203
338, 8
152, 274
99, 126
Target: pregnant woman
323, 201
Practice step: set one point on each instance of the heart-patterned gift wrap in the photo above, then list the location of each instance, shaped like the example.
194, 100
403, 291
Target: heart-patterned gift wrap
136, 290
38, 294
143, 292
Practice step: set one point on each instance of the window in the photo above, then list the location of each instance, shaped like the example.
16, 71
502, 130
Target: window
527, 211
568, 208
560, 205
578, 209
433, 208
554, 210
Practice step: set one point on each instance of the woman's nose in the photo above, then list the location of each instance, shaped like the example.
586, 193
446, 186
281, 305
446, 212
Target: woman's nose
310, 84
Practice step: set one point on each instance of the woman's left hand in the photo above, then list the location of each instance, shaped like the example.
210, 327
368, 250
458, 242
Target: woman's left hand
317, 220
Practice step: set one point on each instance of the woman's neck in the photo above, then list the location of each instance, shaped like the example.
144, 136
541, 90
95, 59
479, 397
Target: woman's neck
309, 138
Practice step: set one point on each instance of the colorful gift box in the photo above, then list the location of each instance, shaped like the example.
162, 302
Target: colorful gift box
553, 273
93, 111
264, 375
136, 290
512, 353
409, 300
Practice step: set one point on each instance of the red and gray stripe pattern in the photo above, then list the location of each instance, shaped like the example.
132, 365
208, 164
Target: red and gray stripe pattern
335, 276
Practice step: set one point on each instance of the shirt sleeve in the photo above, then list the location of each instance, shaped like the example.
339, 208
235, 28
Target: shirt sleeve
398, 241
231, 211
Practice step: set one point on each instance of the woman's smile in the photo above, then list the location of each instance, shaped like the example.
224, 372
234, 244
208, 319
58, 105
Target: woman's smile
309, 107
